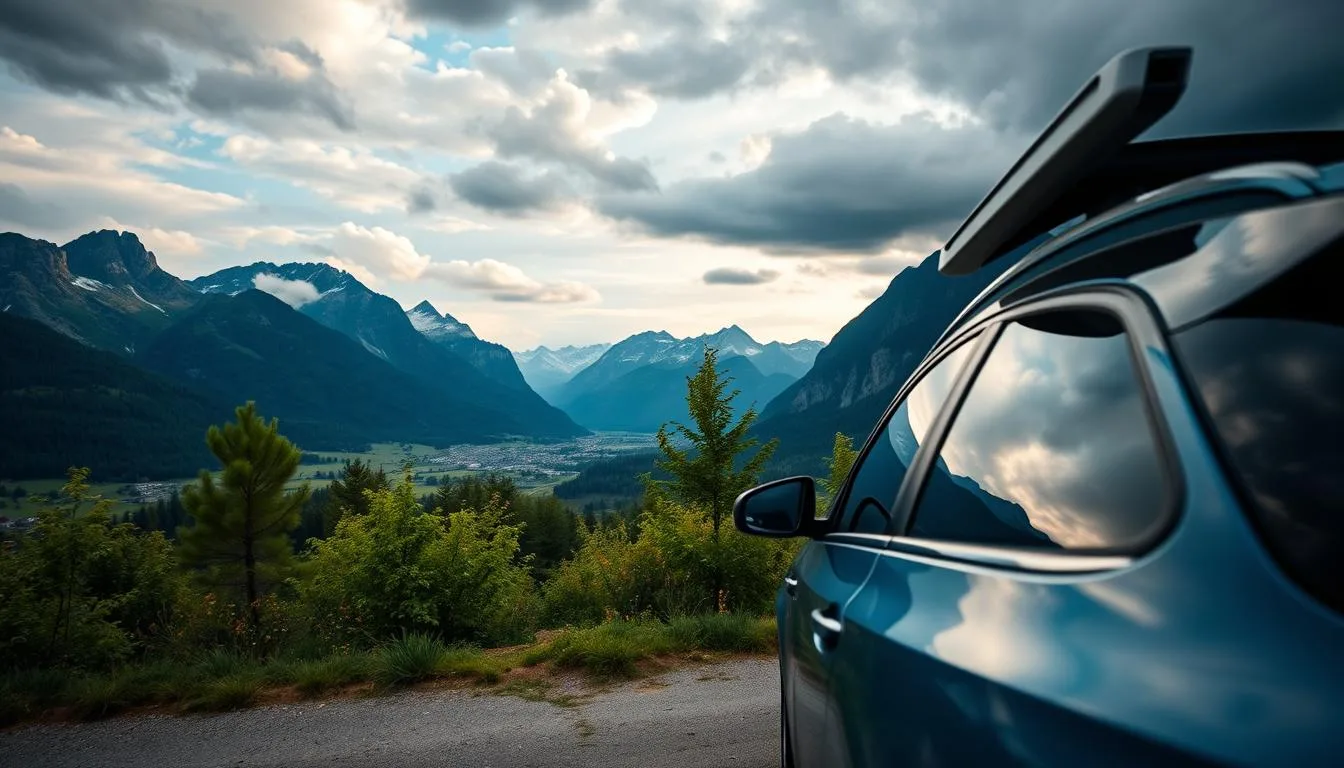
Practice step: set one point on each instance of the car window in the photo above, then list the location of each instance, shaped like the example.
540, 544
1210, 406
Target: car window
1270, 371
1052, 447
869, 499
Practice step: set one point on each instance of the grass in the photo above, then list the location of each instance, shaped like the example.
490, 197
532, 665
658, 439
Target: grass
613, 650
409, 659
222, 680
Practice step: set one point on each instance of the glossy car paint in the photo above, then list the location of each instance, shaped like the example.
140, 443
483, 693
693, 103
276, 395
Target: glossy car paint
1196, 648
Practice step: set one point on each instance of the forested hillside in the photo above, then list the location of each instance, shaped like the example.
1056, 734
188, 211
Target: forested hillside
64, 404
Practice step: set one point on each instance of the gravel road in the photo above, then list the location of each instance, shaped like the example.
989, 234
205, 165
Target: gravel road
708, 715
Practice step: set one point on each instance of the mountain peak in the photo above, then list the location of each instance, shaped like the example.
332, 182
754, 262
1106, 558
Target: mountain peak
426, 308
110, 256
436, 325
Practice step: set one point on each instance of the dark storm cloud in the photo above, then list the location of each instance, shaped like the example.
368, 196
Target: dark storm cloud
504, 189
108, 48
735, 276
840, 185
477, 13
545, 135
17, 208
122, 49
421, 200
683, 69
847, 186
1257, 65
225, 92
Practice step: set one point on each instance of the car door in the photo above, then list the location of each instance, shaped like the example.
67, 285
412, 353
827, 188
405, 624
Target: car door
971, 634
831, 569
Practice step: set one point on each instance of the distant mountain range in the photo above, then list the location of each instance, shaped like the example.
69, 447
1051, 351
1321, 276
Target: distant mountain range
547, 369
136, 345
225, 342
640, 383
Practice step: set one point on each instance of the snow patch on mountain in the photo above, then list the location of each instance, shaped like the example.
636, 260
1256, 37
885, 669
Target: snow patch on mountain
374, 350
88, 283
143, 299
428, 321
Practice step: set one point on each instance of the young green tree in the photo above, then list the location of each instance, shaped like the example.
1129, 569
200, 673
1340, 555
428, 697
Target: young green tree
706, 474
711, 472
241, 522
81, 591
347, 493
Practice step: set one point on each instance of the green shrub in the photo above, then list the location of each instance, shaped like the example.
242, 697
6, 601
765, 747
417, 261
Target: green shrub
408, 659
401, 569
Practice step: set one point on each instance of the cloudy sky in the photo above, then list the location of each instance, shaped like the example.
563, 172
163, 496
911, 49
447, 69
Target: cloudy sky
571, 171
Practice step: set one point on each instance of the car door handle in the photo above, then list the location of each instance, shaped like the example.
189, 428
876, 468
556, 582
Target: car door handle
791, 585
827, 629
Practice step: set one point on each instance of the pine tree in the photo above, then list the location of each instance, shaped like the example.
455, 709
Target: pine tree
706, 475
243, 519
348, 492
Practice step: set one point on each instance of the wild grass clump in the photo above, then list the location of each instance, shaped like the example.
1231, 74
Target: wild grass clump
607, 651
313, 678
226, 693
732, 632
409, 659
465, 661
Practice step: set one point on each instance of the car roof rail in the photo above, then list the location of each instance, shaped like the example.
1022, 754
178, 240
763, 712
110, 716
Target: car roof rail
1122, 100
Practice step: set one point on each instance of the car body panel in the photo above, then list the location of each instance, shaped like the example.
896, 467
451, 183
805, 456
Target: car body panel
1198, 650
1194, 647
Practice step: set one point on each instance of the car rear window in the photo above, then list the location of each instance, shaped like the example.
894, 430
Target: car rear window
1270, 371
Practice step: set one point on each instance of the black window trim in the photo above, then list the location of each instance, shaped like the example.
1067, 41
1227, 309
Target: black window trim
828, 526
1143, 331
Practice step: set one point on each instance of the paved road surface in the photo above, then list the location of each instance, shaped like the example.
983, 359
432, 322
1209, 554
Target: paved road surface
720, 715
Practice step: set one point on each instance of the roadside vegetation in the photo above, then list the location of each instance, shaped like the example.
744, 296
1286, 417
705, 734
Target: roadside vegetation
263, 593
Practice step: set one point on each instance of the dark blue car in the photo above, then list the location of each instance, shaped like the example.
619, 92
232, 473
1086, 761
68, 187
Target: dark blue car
1102, 522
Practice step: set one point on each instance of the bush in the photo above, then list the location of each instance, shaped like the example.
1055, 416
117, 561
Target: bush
409, 659
79, 591
401, 569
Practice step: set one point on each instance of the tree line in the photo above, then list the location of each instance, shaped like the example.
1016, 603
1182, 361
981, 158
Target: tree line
245, 562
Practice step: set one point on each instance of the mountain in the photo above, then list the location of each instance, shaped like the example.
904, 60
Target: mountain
104, 288
325, 388
377, 323
493, 360
659, 348
855, 376
643, 399
63, 403
794, 359
547, 369
438, 327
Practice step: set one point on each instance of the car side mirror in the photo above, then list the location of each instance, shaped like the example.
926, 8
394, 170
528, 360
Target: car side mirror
778, 509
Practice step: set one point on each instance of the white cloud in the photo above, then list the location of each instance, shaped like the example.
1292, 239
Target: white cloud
382, 252
295, 293
505, 282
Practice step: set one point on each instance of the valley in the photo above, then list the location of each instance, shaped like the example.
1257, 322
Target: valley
534, 467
